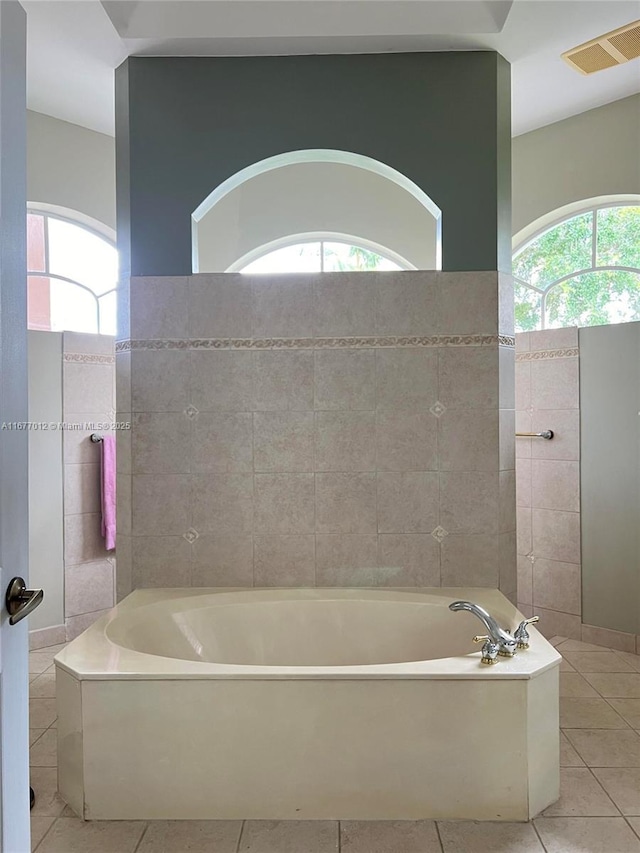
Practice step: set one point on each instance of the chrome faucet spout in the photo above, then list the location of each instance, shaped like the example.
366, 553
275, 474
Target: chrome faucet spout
497, 635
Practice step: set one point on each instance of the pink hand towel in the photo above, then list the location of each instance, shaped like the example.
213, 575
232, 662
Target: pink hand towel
108, 491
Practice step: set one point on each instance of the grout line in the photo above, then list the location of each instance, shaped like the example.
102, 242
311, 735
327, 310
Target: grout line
240, 834
537, 832
339, 836
440, 842
599, 783
630, 825
39, 844
144, 832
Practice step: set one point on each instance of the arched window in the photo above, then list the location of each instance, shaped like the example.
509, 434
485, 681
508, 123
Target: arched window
72, 273
582, 271
320, 255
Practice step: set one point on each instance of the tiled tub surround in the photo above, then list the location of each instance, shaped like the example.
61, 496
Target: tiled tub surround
321, 704
598, 809
302, 430
548, 479
88, 398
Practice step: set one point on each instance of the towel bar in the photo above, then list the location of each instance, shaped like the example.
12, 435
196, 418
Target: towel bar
547, 433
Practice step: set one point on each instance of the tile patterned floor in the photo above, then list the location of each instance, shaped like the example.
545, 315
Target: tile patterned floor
598, 810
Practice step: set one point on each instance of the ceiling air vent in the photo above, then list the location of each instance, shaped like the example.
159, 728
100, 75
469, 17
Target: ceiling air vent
614, 48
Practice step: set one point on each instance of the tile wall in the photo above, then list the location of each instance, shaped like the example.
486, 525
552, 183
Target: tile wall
548, 479
88, 402
301, 430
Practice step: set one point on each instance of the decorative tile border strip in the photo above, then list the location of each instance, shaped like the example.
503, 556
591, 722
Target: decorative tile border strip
88, 358
315, 343
572, 352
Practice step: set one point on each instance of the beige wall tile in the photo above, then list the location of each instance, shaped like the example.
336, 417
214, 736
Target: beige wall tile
222, 504
160, 504
507, 441
123, 445
124, 579
345, 441
222, 561
80, 342
345, 379
408, 304
523, 341
159, 380
557, 586
523, 424
554, 383
77, 624
87, 387
469, 440
219, 306
552, 623
282, 307
346, 503
525, 579
161, 443
506, 304
607, 637
555, 485
413, 558
83, 541
507, 501
565, 443
283, 441
123, 381
284, 503
507, 378
523, 482
522, 385
76, 440
88, 587
161, 561
344, 304
556, 535
221, 442
284, 561
469, 502
159, 307
552, 339
507, 565
468, 377
221, 381
524, 530
406, 441
406, 379
347, 560
407, 502
123, 503
470, 560
81, 488
469, 303
283, 381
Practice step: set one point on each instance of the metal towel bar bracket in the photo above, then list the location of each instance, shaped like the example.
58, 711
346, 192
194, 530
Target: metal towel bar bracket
95, 438
547, 433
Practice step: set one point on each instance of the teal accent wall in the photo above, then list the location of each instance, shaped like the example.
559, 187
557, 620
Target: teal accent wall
185, 125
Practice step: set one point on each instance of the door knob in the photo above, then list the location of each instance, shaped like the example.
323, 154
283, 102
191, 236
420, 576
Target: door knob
21, 601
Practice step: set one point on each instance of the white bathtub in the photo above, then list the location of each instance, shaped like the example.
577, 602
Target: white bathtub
305, 704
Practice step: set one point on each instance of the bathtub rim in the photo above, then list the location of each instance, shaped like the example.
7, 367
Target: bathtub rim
93, 656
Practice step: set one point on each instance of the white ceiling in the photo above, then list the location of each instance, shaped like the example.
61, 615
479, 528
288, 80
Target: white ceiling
75, 45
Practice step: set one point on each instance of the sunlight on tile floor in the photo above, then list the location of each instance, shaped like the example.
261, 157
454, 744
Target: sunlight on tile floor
598, 810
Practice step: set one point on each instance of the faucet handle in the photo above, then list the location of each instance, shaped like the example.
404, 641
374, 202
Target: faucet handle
489, 650
521, 635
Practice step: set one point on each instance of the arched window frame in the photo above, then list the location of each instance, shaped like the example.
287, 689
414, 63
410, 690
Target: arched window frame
319, 237
531, 233
98, 229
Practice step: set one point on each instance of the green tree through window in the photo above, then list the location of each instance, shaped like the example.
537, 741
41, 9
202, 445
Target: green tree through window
583, 271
